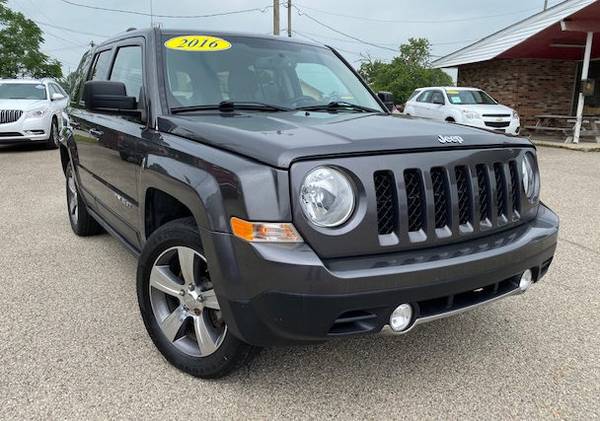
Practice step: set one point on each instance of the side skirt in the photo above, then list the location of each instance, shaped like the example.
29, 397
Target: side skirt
130, 247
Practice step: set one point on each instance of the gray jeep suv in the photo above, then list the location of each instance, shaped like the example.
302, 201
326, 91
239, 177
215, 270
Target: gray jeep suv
273, 199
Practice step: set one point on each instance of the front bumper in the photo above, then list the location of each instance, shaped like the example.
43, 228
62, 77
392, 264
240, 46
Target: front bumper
26, 130
277, 294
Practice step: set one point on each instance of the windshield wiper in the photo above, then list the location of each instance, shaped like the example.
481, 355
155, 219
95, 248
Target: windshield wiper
337, 105
228, 106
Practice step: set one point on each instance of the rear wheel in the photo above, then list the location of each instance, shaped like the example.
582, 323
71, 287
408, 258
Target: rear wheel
82, 223
53, 140
179, 305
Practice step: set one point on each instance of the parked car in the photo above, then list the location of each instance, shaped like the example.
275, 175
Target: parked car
272, 198
31, 111
469, 106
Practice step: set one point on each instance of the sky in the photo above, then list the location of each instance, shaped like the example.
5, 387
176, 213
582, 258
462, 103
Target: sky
372, 28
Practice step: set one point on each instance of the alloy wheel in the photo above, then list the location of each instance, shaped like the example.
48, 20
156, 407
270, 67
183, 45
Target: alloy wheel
72, 198
184, 303
54, 131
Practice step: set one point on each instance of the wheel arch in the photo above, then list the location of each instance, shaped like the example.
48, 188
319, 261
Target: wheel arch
168, 194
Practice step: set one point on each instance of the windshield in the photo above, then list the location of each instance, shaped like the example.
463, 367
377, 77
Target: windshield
469, 97
253, 70
22, 91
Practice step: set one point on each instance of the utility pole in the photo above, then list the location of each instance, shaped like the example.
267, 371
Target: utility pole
545, 4
276, 17
289, 7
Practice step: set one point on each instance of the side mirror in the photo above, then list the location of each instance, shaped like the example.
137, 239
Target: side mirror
108, 96
387, 98
57, 97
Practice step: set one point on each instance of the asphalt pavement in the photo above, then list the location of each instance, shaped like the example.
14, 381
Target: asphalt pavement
73, 345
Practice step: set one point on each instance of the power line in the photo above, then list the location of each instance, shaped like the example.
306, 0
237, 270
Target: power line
433, 44
372, 44
62, 28
67, 48
154, 15
364, 18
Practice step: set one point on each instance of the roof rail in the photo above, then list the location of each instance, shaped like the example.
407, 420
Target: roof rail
131, 29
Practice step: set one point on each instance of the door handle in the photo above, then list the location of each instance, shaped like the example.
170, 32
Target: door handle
95, 133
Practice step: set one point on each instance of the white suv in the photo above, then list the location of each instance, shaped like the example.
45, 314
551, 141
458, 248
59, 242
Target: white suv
469, 106
31, 111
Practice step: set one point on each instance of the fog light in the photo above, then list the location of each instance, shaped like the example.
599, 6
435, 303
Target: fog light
526, 280
401, 317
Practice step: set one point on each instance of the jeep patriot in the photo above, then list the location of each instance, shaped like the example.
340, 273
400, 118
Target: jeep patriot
272, 198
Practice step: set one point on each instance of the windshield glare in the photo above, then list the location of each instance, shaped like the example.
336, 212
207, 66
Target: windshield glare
469, 98
280, 73
22, 91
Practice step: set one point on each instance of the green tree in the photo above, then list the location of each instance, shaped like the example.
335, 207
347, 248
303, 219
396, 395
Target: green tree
20, 41
406, 72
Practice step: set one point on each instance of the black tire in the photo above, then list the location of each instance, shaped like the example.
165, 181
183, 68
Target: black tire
82, 223
53, 142
231, 353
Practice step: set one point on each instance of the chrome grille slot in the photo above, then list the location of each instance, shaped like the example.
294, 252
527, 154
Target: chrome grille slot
10, 116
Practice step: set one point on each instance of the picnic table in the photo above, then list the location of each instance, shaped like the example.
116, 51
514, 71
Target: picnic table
590, 125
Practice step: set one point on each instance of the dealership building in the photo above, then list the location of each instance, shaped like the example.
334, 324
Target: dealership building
537, 65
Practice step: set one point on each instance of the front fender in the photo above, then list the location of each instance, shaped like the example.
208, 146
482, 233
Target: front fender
214, 184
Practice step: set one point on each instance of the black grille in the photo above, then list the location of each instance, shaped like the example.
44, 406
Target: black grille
387, 208
10, 116
497, 124
484, 196
446, 200
415, 200
514, 186
500, 189
464, 195
441, 199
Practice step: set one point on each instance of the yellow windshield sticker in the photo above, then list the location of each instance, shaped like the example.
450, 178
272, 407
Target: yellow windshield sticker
197, 43
451, 92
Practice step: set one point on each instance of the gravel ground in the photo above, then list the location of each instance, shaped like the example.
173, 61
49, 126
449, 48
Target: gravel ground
73, 346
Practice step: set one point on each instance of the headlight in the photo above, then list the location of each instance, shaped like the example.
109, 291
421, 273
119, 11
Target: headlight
326, 197
530, 177
37, 113
470, 115
515, 115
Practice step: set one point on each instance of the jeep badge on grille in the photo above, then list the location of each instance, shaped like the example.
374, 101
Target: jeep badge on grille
450, 139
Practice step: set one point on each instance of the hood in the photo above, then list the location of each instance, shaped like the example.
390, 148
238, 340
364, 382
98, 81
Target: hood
21, 104
487, 109
278, 139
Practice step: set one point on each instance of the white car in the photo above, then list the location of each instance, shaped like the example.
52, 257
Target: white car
31, 111
469, 106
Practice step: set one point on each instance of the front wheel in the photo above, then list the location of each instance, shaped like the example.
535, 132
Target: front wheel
53, 140
179, 305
